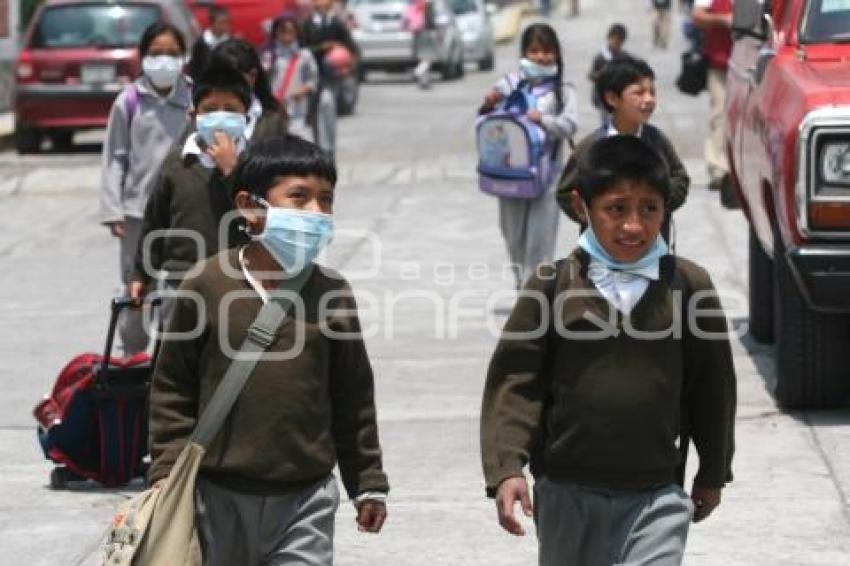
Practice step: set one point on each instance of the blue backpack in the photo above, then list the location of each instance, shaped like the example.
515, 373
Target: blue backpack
515, 155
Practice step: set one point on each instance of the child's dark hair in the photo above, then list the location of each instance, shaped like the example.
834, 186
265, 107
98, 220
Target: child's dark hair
155, 30
269, 159
619, 31
619, 74
280, 22
219, 75
243, 57
614, 159
545, 36
216, 12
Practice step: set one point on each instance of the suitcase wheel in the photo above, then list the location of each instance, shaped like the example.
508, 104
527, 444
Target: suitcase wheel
60, 476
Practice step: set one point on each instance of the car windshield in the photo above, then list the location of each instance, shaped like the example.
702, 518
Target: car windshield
93, 25
827, 21
461, 7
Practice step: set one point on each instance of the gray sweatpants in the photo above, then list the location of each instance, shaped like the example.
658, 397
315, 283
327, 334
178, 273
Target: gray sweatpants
600, 527
529, 228
253, 530
134, 336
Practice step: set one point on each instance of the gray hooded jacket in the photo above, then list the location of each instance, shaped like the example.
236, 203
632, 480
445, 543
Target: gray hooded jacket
135, 148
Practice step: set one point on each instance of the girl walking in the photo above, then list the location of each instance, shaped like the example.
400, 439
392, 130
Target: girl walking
529, 226
147, 117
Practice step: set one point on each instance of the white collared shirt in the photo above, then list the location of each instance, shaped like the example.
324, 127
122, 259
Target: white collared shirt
613, 131
261, 291
623, 289
255, 112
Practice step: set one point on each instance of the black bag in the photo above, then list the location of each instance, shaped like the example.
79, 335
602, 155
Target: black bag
694, 76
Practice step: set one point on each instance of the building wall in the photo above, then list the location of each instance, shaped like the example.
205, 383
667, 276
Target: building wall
8, 50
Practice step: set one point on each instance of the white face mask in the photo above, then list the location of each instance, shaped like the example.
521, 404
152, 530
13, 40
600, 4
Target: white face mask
162, 70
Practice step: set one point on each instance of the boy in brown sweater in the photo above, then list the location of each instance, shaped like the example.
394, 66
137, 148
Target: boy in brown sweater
593, 375
626, 88
266, 490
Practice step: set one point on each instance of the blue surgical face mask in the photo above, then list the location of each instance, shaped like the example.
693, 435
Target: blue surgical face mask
295, 237
590, 243
230, 123
532, 70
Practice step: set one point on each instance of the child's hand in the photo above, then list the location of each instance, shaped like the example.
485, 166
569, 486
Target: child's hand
510, 491
136, 291
116, 228
492, 99
705, 499
371, 515
535, 116
224, 153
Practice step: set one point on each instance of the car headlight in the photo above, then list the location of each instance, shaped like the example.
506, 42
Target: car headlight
835, 163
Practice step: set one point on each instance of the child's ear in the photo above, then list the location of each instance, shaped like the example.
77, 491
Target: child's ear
612, 99
248, 208
578, 208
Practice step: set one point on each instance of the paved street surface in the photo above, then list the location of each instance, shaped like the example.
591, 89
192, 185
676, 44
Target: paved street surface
407, 177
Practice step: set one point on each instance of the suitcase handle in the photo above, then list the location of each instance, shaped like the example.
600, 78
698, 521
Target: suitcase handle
117, 305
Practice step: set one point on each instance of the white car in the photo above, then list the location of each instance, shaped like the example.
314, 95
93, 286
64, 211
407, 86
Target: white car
474, 20
386, 45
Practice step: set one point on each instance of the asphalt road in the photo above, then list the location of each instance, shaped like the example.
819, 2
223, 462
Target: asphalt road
421, 242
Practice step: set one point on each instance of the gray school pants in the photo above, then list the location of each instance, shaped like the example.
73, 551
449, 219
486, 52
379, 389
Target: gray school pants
529, 228
255, 530
579, 526
134, 335
326, 120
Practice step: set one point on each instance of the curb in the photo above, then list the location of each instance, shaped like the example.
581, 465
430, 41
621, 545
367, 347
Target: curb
509, 21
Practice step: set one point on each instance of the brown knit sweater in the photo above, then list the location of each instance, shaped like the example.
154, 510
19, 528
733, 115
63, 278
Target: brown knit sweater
606, 411
296, 418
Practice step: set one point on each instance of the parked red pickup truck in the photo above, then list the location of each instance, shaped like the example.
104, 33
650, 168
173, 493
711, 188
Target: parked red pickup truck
788, 140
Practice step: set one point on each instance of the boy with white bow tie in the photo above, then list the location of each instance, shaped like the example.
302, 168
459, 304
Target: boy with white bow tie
594, 371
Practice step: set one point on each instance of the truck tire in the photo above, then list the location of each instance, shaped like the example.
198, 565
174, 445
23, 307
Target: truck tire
812, 356
760, 292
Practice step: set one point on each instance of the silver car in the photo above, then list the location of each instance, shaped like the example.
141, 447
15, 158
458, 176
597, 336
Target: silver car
386, 45
476, 27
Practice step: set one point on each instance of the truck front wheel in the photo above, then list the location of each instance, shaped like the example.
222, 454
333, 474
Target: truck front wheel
761, 292
812, 354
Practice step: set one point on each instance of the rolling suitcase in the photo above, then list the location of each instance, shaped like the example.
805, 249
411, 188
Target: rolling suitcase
94, 423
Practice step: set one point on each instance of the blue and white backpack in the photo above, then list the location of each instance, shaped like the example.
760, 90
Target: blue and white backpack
514, 154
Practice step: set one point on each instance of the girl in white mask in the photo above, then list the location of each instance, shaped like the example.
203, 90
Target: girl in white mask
147, 117
529, 226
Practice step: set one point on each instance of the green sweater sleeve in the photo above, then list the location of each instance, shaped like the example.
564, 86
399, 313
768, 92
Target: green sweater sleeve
175, 390
354, 421
679, 179
712, 398
514, 391
157, 217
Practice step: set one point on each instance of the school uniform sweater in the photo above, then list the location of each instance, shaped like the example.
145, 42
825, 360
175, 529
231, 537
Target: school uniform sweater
606, 411
296, 418
679, 179
187, 196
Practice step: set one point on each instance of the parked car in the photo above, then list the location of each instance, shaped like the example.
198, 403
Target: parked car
473, 19
386, 45
788, 141
251, 19
76, 57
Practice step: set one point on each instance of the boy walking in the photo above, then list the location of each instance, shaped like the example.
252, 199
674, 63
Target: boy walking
591, 383
193, 190
627, 91
613, 51
265, 489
